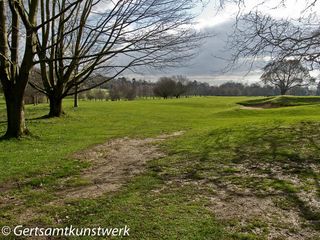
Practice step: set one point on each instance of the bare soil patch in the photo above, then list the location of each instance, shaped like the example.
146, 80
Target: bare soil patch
273, 191
114, 163
267, 215
260, 106
244, 212
251, 108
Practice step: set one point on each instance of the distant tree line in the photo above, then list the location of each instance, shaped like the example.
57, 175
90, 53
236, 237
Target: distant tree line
180, 86
117, 89
166, 87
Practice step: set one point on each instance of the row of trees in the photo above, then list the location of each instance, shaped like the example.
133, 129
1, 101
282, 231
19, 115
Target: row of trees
281, 77
71, 41
285, 77
125, 89
179, 86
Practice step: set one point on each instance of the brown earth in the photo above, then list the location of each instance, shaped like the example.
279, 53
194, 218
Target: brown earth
113, 164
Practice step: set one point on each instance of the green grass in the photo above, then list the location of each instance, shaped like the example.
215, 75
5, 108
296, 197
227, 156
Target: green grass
220, 138
281, 101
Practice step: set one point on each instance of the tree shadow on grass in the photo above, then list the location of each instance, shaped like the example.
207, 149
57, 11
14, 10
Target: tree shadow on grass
285, 154
4, 122
38, 118
268, 163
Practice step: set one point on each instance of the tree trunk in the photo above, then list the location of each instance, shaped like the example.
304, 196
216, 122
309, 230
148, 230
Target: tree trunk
283, 91
75, 105
16, 126
55, 107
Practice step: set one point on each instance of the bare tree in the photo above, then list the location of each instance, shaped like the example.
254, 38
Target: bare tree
257, 34
165, 87
110, 38
14, 72
18, 46
286, 75
181, 85
122, 88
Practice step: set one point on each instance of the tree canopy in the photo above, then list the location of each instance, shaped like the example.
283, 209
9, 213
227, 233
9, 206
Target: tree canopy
286, 74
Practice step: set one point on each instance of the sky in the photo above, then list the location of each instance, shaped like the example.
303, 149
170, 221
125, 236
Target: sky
209, 66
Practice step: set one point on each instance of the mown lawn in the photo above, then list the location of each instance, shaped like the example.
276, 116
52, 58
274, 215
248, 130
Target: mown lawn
270, 154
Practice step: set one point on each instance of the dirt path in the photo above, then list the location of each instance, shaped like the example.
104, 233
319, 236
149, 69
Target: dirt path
113, 164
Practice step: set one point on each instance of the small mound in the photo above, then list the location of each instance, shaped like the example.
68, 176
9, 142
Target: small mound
280, 101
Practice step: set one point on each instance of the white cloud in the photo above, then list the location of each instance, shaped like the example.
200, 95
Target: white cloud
213, 14
208, 68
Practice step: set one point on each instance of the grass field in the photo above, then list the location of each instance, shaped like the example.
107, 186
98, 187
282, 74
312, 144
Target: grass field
281, 101
233, 174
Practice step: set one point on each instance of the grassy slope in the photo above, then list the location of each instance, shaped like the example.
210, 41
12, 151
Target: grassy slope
215, 128
281, 101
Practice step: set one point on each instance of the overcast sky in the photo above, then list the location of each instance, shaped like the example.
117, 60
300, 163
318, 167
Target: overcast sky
208, 65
